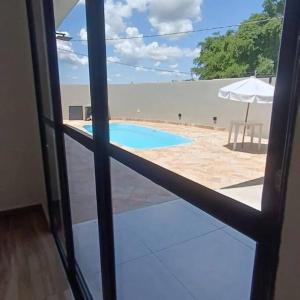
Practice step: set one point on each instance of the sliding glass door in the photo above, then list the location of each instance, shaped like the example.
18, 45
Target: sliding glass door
156, 190
48, 118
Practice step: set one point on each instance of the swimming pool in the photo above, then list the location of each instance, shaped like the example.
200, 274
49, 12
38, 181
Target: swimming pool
140, 137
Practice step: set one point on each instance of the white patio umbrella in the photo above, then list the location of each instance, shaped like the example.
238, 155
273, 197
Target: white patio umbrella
250, 90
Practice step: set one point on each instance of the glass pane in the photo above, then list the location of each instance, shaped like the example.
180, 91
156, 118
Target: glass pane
167, 248
166, 104
56, 200
46, 100
166, 66
73, 63
81, 178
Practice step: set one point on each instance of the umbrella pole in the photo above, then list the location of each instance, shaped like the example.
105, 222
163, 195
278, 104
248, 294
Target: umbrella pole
245, 126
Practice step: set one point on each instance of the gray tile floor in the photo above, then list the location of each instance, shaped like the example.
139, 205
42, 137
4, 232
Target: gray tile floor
170, 251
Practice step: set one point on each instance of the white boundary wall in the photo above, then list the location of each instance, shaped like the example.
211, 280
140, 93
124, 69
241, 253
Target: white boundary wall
197, 102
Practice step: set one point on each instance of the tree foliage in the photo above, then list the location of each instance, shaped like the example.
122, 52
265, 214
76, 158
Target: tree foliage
253, 47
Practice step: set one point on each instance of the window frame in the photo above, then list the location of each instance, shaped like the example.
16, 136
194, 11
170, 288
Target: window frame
262, 226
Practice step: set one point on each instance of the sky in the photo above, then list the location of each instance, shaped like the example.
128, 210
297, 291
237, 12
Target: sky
131, 18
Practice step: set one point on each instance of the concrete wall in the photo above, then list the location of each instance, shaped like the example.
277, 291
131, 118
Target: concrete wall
196, 101
21, 172
288, 274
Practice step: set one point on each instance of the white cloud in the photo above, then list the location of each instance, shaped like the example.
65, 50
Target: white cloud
172, 26
170, 16
140, 5
173, 66
165, 73
83, 34
141, 69
112, 59
175, 73
194, 52
166, 16
81, 2
115, 13
66, 53
132, 50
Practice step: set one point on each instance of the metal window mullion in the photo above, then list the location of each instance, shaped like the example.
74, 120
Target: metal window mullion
99, 102
59, 135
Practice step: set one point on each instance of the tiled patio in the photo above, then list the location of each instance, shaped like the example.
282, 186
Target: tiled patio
170, 251
209, 160
129, 189
166, 249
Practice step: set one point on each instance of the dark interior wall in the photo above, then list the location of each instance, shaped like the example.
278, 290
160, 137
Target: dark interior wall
21, 170
288, 274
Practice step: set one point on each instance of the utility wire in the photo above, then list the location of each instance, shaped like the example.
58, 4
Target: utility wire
141, 36
157, 69
162, 35
130, 65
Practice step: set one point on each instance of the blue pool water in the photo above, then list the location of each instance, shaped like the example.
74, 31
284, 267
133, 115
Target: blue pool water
140, 137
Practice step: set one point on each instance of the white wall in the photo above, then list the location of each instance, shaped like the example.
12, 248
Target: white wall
196, 101
21, 173
288, 274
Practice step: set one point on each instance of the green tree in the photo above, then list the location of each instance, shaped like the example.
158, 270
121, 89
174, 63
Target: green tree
273, 7
254, 46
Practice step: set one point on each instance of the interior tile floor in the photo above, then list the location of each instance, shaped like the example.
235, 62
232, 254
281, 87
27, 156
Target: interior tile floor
170, 250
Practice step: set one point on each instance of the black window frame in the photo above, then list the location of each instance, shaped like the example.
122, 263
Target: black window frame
262, 226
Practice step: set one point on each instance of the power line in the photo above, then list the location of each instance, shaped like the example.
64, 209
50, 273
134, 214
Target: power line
130, 65
249, 73
141, 36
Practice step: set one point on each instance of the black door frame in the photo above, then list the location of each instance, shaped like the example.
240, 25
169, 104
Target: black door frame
79, 288
264, 227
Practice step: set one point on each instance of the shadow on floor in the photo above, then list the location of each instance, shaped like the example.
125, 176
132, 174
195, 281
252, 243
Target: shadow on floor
248, 147
256, 181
